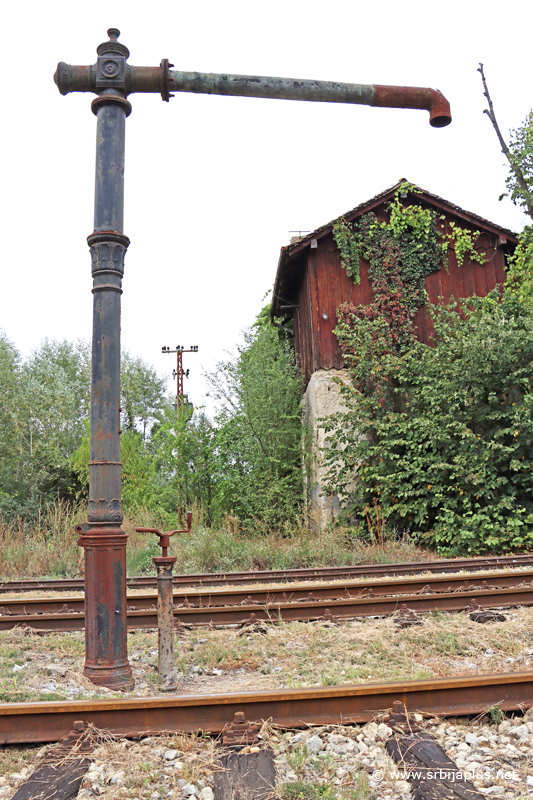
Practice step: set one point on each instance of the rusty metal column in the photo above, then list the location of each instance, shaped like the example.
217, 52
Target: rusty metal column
106, 659
165, 623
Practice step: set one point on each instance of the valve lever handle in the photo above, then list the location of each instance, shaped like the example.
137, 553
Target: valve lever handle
164, 537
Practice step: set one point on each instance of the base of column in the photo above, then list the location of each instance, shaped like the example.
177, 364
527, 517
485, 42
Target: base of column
119, 679
168, 688
106, 616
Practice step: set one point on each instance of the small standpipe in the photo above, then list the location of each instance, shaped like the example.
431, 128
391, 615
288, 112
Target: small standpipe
165, 607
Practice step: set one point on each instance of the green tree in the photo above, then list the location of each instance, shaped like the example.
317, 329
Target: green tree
11, 439
54, 402
519, 154
520, 181
259, 428
142, 393
185, 452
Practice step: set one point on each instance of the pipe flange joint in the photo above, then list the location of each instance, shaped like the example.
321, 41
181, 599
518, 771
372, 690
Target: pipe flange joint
109, 100
165, 80
96, 237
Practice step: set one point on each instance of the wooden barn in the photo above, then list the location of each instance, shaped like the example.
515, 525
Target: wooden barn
311, 284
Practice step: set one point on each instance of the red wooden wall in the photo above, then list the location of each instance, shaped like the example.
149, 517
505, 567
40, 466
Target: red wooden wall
324, 286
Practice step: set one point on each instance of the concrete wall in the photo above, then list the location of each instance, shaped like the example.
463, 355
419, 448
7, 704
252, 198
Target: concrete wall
321, 399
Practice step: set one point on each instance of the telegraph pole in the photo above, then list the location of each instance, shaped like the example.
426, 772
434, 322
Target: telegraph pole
112, 79
179, 374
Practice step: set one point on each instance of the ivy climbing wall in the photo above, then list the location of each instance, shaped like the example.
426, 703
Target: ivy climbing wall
313, 280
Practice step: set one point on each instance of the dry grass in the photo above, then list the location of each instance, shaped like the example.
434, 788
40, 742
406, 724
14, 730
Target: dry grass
143, 771
47, 547
44, 547
140, 763
291, 655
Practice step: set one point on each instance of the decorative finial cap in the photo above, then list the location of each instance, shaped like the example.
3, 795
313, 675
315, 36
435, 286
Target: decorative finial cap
112, 46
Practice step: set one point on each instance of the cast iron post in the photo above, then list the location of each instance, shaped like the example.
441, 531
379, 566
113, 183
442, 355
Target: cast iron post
104, 542
112, 79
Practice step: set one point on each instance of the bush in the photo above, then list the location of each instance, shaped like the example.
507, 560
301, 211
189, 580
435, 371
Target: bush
446, 446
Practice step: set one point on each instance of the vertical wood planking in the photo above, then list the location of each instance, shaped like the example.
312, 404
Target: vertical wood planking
469, 279
499, 265
313, 303
325, 286
325, 304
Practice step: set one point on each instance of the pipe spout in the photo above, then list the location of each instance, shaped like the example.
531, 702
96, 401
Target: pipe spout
414, 97
316, 91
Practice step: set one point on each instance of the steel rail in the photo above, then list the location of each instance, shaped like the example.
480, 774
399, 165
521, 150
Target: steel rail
344, 608
290, 708
272, 576
295, 593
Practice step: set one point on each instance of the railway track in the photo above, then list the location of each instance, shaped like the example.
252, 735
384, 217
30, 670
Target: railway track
290, 708
273, 576
344, 607
197, 598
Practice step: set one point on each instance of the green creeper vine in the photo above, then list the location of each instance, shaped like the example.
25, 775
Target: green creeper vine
464, 244
423, 247
401, 251
400, 254
347, 241
520, 268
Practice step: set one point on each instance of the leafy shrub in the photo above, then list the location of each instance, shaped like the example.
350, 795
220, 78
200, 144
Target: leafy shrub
445, 445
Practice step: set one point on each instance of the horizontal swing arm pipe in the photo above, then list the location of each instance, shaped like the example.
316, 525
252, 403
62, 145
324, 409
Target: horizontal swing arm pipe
316, 91
71, 78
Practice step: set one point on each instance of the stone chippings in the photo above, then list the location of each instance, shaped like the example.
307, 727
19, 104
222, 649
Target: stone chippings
338, 756
477, 747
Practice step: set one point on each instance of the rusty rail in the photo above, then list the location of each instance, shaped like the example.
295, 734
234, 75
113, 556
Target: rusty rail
343, 608
289, 594
271, 576
291, 708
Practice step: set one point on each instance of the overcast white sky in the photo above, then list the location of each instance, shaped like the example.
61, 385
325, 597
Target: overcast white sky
215, 184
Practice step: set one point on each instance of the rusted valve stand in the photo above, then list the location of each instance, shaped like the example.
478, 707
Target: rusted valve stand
165, 607
113, 79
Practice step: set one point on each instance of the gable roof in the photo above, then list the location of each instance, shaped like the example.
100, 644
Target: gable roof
291, 256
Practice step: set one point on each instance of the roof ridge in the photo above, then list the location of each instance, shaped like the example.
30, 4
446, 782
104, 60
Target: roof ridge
323, 229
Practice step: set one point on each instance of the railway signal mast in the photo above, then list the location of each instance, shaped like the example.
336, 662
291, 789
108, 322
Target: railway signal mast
179, 374
112, 79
